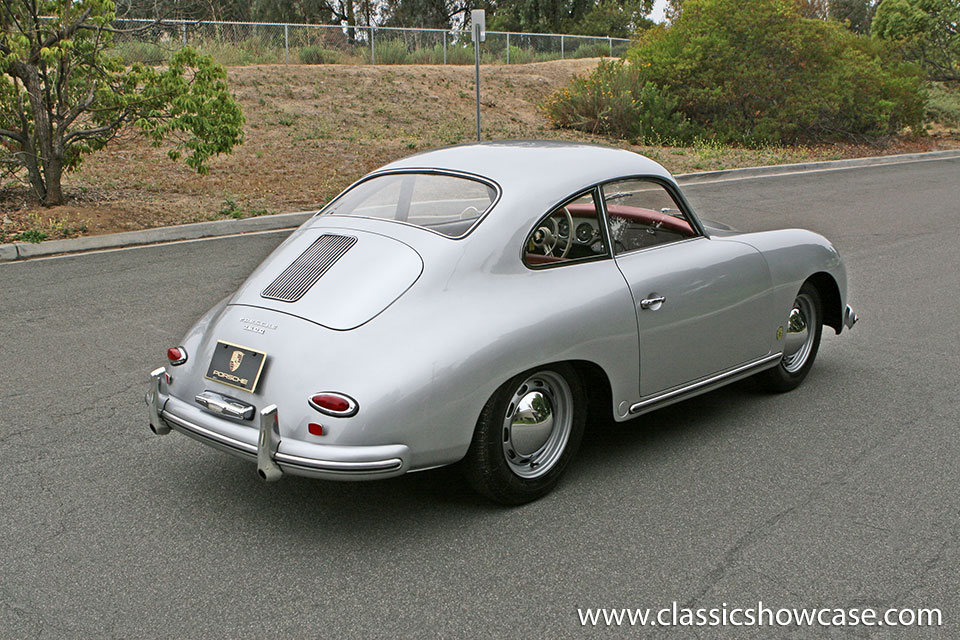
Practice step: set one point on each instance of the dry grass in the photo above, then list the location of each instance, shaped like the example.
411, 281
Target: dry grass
312, 130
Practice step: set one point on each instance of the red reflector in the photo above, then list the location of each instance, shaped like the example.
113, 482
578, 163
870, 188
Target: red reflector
315, 429
332, 403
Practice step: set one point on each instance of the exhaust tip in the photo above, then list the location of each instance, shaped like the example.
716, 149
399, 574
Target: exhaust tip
262, 475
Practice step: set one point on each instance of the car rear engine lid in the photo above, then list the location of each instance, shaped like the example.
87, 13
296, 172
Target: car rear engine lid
339, 279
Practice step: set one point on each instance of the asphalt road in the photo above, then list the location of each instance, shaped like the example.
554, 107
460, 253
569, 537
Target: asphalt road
844, 493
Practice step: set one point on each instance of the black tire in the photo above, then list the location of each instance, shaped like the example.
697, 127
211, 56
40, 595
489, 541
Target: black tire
516, 479
796, 363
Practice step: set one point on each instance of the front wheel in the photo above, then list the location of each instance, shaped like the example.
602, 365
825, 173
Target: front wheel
527, 434
800, 343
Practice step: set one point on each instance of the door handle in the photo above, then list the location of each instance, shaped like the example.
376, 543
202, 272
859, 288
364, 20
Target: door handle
653, 303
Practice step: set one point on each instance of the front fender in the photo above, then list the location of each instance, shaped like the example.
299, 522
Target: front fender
795, 256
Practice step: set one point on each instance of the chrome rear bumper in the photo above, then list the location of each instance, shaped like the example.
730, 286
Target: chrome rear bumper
273, 455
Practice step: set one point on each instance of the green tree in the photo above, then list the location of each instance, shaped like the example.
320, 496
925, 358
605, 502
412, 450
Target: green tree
431, 14
927, 30
63, 94
854, 14
614, 18
569, 16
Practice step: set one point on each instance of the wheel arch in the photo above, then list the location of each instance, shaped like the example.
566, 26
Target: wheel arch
829, 292
597, 388
594, 380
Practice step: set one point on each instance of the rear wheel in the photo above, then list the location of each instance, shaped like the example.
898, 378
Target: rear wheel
800, 343
527, 434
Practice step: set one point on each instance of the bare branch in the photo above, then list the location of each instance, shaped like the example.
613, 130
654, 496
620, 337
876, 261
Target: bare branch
79, 108
13, 135
84, 134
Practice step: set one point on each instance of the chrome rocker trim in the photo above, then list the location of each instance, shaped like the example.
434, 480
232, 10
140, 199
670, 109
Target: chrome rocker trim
706, 384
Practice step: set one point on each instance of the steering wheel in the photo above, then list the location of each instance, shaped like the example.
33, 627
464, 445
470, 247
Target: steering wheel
546, 238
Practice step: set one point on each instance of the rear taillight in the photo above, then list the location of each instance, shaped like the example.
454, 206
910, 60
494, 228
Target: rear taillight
334, 404
176, 355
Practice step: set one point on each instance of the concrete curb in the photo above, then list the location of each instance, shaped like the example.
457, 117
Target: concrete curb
281, 221
24, 250
779, 169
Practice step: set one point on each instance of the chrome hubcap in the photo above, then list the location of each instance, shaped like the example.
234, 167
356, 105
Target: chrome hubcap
801, 330
537, 424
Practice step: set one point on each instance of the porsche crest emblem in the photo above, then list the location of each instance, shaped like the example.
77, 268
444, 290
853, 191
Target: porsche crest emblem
236, 366
235, 359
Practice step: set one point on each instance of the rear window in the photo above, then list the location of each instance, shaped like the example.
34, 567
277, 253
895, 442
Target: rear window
450, 205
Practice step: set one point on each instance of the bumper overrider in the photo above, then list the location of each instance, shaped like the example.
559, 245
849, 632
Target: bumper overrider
274, 455
849, 317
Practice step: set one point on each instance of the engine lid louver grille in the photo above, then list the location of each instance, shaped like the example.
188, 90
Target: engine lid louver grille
304, 272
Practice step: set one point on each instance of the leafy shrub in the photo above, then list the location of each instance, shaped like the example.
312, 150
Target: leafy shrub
312, 54
34, 236
421, 56
458, 54
145, 52
614, 100
592, 50
519, 55
943, 106
391, 52
758, 73
248, 51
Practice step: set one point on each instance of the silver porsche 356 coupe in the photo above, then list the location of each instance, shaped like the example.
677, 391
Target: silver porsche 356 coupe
483, 304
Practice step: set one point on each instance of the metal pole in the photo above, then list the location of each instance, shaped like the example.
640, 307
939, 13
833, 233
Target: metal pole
508, 47
183, 33
444, 47
561, 47
286, 44
610, 40
373, 55
476, 74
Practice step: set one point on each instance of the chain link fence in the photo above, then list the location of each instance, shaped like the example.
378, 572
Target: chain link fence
240, 43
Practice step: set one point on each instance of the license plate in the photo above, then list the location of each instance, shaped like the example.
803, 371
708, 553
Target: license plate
236, 366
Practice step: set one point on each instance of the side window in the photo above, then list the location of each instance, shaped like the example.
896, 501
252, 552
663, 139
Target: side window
642, 214
568, 233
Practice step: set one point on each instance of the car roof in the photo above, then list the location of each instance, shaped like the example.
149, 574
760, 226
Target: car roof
551, 167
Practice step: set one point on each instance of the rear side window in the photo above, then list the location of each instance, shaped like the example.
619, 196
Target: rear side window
571, 232
450, 205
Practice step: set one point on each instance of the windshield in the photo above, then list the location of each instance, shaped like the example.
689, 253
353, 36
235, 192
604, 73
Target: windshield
447, 204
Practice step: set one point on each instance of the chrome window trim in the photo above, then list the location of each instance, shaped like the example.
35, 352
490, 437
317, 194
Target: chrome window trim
678, 200
601, 222
425, 171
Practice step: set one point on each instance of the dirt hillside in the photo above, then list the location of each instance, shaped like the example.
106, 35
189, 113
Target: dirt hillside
311, 130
